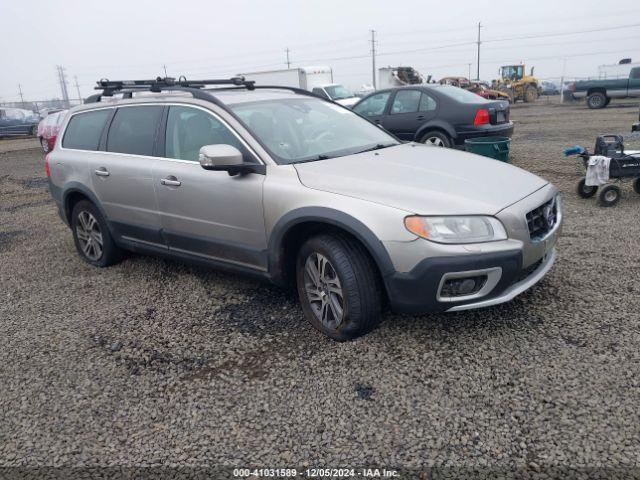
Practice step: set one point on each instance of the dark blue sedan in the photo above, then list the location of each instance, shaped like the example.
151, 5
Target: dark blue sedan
15, 121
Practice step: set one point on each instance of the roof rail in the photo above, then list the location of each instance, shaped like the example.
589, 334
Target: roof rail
127, 87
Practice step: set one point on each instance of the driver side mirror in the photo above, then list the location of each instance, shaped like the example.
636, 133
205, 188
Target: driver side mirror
227, 158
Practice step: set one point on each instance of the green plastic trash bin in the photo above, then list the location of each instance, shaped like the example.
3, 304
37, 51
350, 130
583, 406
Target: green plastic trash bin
492, 147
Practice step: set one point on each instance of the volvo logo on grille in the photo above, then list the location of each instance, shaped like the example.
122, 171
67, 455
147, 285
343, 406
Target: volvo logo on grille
549, 215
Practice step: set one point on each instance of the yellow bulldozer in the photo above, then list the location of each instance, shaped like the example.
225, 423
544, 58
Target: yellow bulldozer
515, 82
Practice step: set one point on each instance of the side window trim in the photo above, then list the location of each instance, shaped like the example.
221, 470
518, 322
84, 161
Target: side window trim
102, 145
159, 142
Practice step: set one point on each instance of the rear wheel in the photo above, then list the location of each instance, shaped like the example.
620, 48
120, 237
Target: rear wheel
92, 237
597, 100
338, 287
609, 196
585, 191
436, 139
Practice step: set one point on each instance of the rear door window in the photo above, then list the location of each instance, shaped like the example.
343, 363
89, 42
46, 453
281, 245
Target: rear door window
85, 129
133, 130
427, 103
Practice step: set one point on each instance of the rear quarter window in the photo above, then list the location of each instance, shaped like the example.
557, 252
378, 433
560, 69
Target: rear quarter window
85, 129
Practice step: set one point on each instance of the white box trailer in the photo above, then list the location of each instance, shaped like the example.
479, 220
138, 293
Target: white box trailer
318, 80
303, 77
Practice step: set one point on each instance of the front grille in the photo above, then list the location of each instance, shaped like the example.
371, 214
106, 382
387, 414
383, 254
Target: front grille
542, 219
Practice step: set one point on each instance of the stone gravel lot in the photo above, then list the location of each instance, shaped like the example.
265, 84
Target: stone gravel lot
152, 362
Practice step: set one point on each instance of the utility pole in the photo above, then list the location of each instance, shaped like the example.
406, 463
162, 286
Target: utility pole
288, 62
479, 42
21, 97
564, 67
63, 85
75, 78
469, 77
165, 70
373, 58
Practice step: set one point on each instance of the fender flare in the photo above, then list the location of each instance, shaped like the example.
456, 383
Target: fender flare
77, 187
332, 217
436, 125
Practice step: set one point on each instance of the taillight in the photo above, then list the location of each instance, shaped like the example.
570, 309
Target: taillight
571, 87
46, 166
482, 117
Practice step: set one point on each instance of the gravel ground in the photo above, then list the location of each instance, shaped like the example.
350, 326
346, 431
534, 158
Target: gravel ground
152, 362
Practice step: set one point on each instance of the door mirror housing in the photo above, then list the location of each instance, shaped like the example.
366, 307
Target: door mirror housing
227, 158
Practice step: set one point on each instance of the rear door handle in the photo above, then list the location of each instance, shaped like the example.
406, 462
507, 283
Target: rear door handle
102, 172
171, 181
420, 117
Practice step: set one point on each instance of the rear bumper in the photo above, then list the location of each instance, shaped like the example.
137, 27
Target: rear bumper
502, 130
418, 291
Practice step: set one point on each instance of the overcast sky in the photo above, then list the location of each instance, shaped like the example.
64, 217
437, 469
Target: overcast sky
207, 39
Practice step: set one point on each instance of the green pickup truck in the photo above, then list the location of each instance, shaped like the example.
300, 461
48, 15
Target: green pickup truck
600, 92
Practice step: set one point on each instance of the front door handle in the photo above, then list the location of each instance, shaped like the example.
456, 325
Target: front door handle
171, 181
420, 117
102, 172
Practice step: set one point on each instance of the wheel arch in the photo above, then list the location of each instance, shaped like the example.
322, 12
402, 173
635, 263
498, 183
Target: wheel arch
440, 126
75, 192
290, 232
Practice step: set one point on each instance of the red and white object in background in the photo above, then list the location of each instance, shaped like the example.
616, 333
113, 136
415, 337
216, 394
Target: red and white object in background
48, 129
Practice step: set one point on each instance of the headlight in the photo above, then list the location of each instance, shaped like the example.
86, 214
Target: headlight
474, 229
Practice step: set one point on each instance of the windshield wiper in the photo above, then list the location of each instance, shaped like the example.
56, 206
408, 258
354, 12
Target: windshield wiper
379, 146
314, 159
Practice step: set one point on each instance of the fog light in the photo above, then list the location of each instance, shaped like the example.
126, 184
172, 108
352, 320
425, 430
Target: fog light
461, 287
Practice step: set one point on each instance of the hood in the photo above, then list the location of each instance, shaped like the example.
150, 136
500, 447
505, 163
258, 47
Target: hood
423, 179
348, 102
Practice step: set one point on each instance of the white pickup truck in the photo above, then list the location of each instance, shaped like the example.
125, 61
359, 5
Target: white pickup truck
318, 80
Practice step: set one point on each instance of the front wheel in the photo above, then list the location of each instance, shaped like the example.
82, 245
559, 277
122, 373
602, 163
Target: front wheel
338, 286
585, 191
609, 196
436, 139
530, 94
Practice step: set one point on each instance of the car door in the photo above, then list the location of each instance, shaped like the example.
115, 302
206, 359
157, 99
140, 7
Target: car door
410, 108
208, 214
122, 174
634, 82
374, 107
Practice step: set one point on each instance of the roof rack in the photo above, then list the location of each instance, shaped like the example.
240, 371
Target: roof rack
195, 87
127, 87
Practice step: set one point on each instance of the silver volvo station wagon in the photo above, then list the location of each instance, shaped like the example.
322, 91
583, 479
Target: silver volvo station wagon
277, 183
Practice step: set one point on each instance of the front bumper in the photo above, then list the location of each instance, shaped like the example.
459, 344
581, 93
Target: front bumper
418, 291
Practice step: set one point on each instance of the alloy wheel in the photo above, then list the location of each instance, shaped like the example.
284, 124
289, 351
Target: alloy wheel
435, 141
324, 290
89, 235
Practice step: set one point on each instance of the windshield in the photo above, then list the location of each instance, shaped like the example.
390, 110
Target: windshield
306, 129
336, 92
461, 95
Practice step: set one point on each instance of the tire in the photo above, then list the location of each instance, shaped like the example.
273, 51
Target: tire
345, 302
44, 144
530, 94
609, 196
597, 100
436, 139
636, 185
585, 191
34, 131
86, 218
